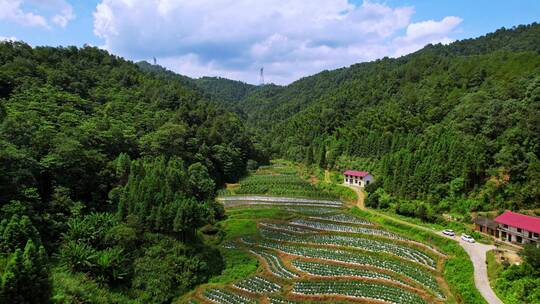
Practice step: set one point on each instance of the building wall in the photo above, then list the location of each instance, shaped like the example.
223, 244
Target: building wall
486, 230
357, 181
516, 235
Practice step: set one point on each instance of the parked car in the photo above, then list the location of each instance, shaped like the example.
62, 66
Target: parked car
467, 238
449, 232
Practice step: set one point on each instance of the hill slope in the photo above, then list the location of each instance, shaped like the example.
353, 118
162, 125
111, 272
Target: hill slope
455, 126
111, 169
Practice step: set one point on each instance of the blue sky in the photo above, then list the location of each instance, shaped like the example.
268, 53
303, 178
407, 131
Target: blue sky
290, 38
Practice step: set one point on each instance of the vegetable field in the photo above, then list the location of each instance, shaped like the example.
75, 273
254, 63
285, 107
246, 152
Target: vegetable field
319, 252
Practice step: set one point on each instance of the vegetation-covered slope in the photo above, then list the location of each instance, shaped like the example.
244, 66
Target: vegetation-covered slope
111, 169
223, 89
456, 126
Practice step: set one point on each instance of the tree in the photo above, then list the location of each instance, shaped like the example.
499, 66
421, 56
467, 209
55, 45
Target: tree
168, 266
26, 276
531, 255
201, 185
17, 232
3, 113
309, 156
322, 157
123, 164
190, 215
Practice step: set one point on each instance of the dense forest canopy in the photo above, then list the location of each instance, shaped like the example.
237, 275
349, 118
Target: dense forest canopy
454, 126
109, 167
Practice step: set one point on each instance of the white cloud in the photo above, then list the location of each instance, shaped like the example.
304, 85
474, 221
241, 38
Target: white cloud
25, 13
421, 33
291, 39
66, 15
11, 10
431, 27
2, 38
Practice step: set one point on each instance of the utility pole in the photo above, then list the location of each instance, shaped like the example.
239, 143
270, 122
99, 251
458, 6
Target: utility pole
261, 77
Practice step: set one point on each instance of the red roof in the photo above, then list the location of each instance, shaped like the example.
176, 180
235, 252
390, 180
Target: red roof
525, 222
356, 173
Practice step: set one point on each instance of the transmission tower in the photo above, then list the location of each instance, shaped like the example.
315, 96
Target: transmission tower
261, 77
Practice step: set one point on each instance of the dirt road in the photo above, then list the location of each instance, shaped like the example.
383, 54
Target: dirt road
360, 194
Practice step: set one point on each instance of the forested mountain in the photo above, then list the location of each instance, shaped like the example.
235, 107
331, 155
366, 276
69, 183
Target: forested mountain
454, 126
217, 88
224, 89
110, 169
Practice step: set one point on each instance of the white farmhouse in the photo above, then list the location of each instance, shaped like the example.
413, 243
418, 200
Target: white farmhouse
357, 178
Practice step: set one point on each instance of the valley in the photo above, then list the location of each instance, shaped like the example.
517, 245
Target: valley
312, 248
124, 182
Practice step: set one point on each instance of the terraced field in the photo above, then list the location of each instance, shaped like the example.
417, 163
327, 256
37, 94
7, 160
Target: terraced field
315, 251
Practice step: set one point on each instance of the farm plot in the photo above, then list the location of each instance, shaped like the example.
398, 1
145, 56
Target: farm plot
275, 265
363, 290
231, 204
280, 185
222, 296
343, 218
276, 300
331, 270
316, 251
424, 278
287, 228
258, 285
273, 201
277, 199
310, 211
325, 226
356, 242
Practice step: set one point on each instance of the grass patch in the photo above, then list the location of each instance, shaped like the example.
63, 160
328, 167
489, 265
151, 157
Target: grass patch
494, 268
235, 228
238, 264
258, 213
69, 287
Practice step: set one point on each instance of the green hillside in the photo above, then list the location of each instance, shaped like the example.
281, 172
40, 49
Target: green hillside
454, 126
107, 170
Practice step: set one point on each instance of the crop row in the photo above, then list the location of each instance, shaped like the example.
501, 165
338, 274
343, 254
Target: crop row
308, 211
230, 245
357, 242
258, 284
363, 290
277, 199
275, 265
287, 227
290, 185
344, 228
330, 270
414, 273
276, 300
231, 204
343, 218
223, 296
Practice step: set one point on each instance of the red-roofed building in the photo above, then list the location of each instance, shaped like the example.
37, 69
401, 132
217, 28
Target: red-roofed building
356, 178
518, 228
